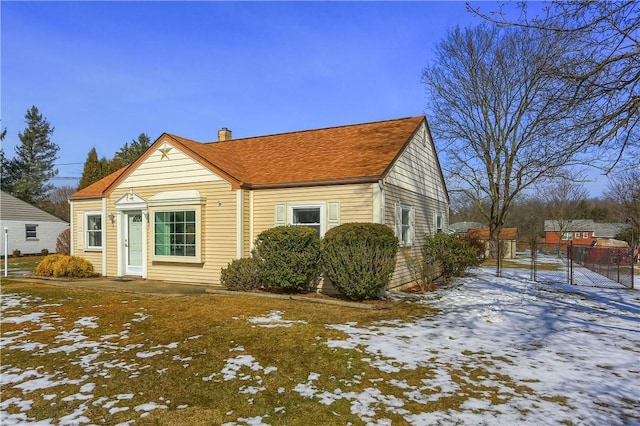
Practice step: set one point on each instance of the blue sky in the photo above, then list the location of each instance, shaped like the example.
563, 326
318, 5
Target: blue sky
104, 72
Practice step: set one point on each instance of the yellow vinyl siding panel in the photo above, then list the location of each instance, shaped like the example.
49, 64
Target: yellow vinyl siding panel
356, 203
425, 209
218, 233
417, 168
176, 167
79, 232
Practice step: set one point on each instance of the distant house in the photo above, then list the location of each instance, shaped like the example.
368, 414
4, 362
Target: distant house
508, 238
583, 232
28, 228
185, 209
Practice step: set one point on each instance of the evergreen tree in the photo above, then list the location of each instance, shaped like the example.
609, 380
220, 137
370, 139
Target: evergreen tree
130, 153
92, 171
27, 175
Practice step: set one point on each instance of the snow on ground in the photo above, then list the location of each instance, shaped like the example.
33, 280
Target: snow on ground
576, 350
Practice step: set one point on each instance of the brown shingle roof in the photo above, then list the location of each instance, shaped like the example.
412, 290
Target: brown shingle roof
483, 233
358, 152
98, 188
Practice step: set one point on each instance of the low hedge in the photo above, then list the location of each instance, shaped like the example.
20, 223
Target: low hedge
62, 265
240, 275
359, 258
452, 254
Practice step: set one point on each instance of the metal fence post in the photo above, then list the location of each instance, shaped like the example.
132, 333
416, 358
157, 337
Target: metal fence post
570, 259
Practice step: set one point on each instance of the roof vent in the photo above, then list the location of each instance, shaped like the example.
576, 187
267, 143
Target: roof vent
224, 134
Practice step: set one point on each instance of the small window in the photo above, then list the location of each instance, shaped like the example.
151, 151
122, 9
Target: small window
31, 231
585, 235
405, 229
577, 235
307, 216
437, 222
94, 231
566, 236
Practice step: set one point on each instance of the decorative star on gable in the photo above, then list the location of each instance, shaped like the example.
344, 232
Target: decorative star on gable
165, 151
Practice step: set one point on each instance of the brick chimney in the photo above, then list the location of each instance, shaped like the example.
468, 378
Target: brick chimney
224, 134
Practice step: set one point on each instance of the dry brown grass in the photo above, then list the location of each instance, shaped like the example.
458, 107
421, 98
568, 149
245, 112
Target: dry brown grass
195, 337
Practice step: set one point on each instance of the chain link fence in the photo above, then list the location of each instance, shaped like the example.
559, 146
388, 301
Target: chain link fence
576, 265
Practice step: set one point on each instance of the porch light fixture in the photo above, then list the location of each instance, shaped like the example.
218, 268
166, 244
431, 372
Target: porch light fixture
112, 218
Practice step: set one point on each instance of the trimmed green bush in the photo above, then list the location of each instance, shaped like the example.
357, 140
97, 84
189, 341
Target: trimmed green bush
240, 275
287, 257
359, 258
452, 254
62, 265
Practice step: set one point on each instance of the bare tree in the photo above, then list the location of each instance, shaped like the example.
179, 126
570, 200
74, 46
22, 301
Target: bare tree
496, 115
57, 202
527, 214
601, 65
624, 189
563, 200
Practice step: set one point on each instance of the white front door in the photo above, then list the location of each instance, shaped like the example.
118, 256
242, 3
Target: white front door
133, 243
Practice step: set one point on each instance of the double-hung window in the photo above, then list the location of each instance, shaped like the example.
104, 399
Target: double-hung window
94, 231
566, 236
585, 235
31, 231
405, 225
438, 222
310, 216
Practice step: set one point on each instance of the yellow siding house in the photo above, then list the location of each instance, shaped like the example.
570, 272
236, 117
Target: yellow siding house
185, 209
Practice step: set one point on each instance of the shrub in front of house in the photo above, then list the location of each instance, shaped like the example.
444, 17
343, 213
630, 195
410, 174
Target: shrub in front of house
240, 275
359, 258
64, 266
17, 253
287, 257
452, 254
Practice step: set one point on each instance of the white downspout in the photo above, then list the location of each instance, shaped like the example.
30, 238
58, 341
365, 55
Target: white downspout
239, 223
104, 237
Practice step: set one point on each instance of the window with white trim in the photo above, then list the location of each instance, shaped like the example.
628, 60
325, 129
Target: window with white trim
566, 236
405, 225
31, 231
585, 235
310, 216
175, 233
94, 230
577, 235
438, 223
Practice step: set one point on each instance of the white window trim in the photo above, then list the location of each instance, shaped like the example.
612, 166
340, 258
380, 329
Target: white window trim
323, 219
585, 235
412, 227
176, 259
436, 216
576, 236
87, 247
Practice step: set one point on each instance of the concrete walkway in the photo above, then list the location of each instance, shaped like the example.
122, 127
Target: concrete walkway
162, 288
125, 285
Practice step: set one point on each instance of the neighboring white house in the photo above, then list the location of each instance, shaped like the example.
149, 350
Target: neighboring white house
27, 228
